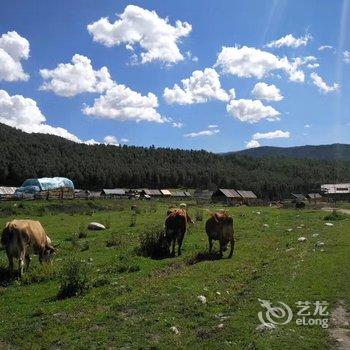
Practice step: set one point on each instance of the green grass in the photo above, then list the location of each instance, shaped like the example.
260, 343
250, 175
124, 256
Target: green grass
133, 301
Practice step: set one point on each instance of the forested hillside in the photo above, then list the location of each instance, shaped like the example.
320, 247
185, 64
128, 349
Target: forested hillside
25, 155
336, 151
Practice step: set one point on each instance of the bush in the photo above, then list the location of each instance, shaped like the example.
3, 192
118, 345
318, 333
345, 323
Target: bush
125, 263
199, 215
38, 273
74, 279
153, 243
82, 231
114, 241
334, 216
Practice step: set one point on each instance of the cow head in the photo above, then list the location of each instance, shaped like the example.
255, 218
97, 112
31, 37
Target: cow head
49, 253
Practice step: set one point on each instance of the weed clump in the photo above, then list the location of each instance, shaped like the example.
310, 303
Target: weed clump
114, 241
126, 264
153, 243
74, 279
334, 216
199, 215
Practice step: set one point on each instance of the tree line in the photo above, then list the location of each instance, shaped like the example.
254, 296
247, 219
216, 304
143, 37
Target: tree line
94, 167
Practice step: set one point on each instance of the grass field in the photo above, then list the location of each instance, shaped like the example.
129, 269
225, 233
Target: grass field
134, 301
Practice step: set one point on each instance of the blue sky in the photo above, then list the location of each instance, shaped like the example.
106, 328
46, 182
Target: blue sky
302, 96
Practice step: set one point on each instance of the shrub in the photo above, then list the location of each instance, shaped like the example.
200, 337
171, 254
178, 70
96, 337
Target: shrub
125, 263
199, 215
153, 243
74, 279
114, 241
38, 273
133, 219
82, 231
334, 216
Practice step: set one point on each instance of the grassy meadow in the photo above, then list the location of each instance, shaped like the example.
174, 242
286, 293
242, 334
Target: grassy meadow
132, 301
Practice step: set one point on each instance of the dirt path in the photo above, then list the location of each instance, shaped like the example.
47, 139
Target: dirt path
340, 321
343, 211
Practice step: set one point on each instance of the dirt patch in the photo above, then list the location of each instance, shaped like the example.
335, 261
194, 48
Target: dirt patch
340, 322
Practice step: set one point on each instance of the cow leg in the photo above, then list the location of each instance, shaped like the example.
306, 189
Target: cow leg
27, 261
21, 264
173, 247
10, 259
222, 247
179, 242
232, 244
210, 245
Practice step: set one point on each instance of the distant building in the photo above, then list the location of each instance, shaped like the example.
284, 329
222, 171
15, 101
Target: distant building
113, 193
7, 192
314, 198
248, 197
151, 193
165, 193
336, 191
202, 196
226, 195
298, 197
181, 194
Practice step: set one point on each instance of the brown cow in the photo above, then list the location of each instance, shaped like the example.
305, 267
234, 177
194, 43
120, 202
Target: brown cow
175, 228
219, 227
23, 237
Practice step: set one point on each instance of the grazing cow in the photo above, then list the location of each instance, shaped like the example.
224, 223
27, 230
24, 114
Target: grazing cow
23, 237
175, 228
219, 227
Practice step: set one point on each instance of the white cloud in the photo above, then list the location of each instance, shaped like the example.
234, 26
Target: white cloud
213, 126
203, 133
346, 56
325, 47
70, 79
252, 144
263, 91
122, 103
290, 41
13, 49
271, 135
247, 62
313, 65
191, 57
322, 86
200, 87
251, 111
124, 140
157, 38
92, 142
178, 125
23, 113
111, 140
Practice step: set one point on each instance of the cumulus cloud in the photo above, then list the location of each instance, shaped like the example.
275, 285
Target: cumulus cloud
212, 126
70, 79
203, 133
321, 84
92, 142
122, 103
252, 144
23, 113
157, 38
124, 140
263, 91
251, 111
178, 125
111, 140
13, 49
248, 62
290, 41
271, 135
346, 56
325, 47
200, 87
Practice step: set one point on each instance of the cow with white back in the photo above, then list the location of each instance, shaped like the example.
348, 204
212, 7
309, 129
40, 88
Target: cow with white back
24, 237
